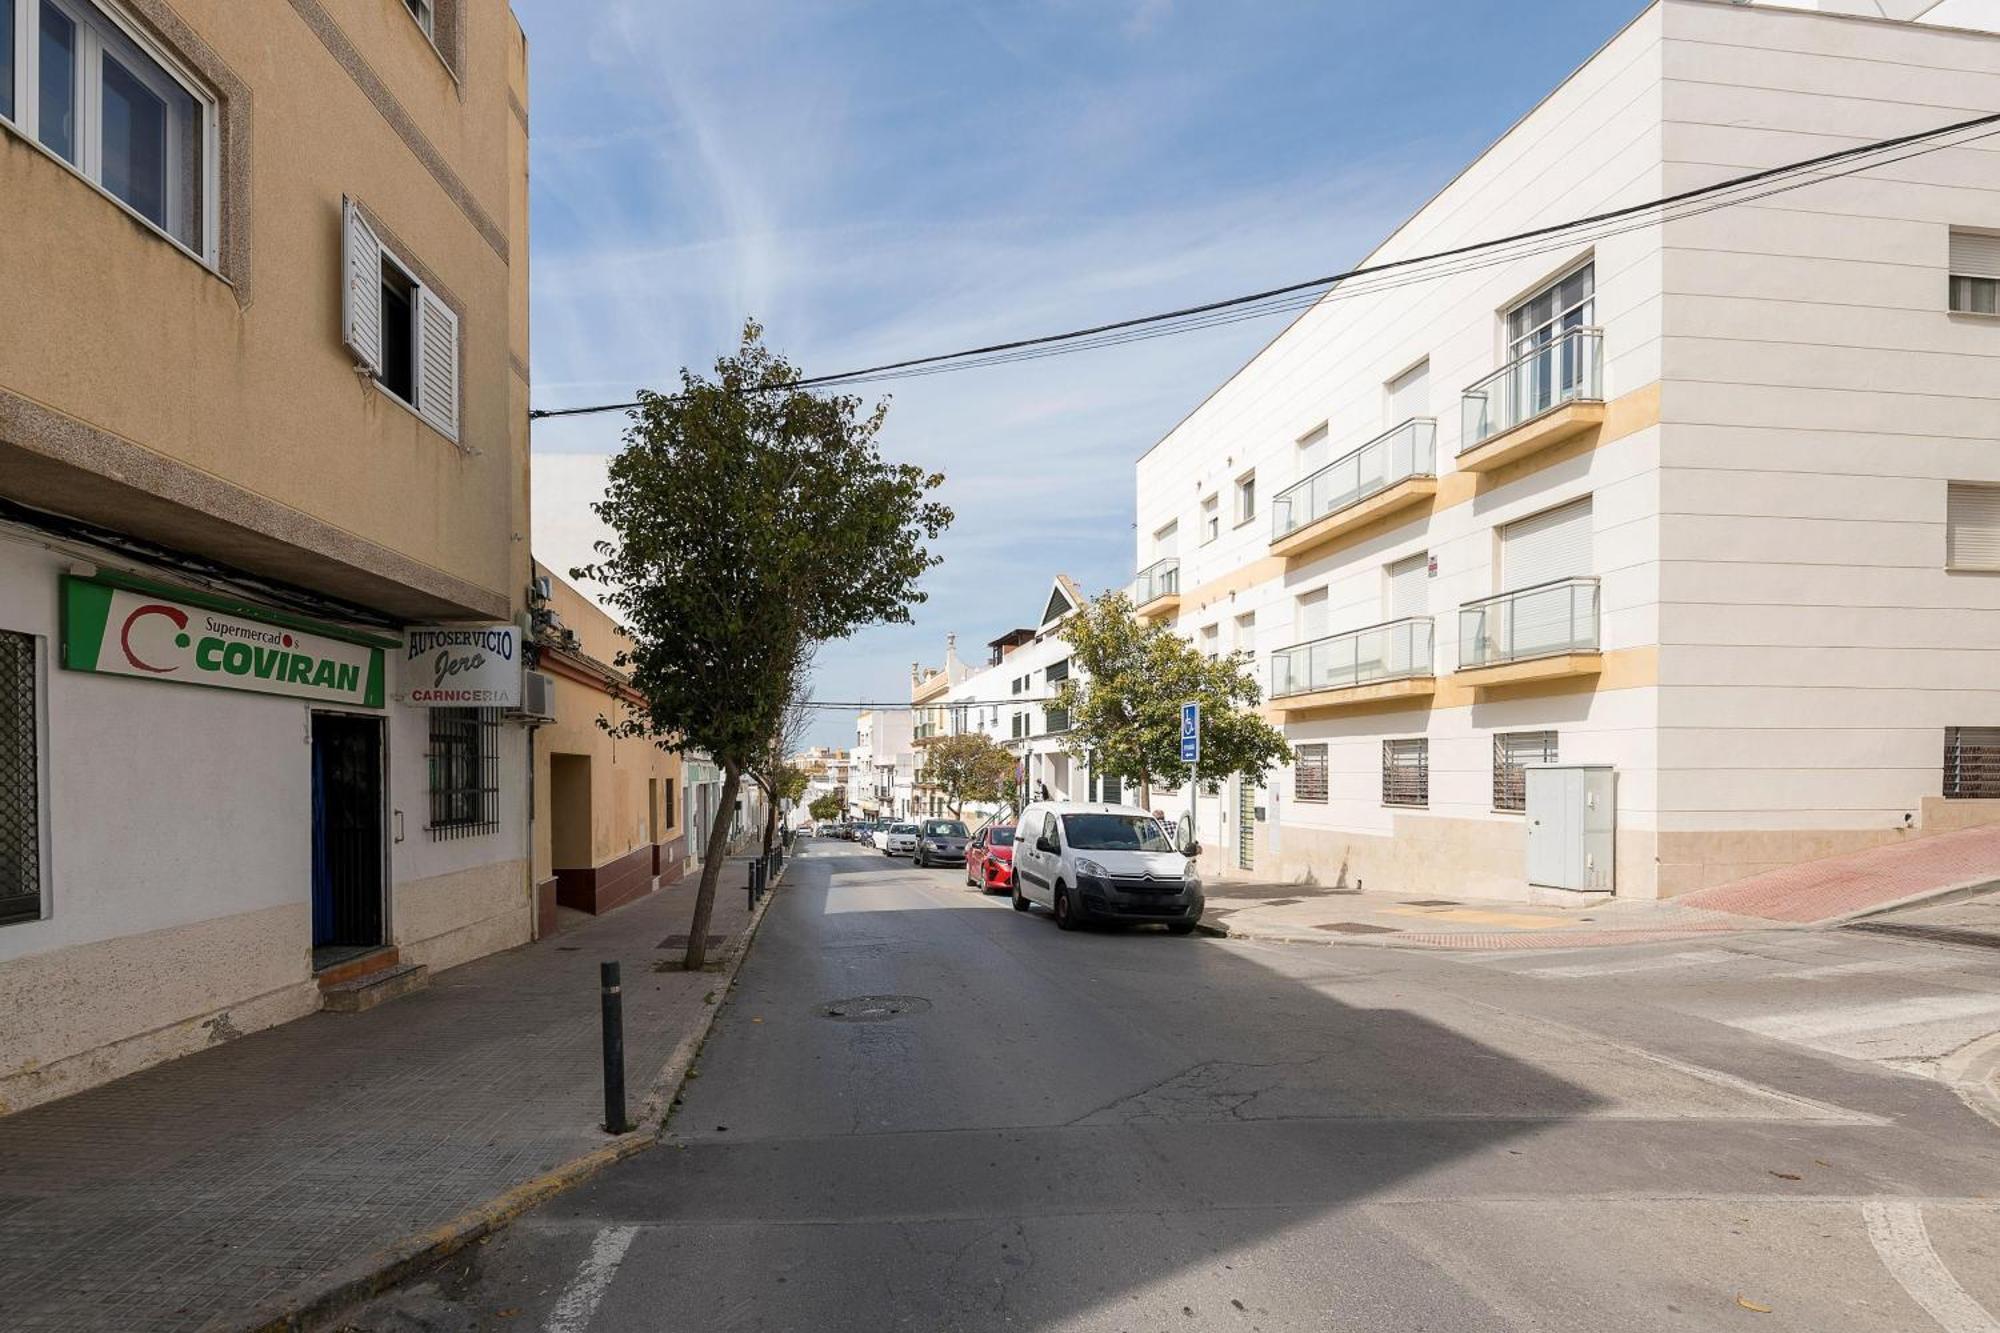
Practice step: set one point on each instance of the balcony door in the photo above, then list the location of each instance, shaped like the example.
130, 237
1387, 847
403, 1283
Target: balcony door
1549, 367
1406, 593
1539, 550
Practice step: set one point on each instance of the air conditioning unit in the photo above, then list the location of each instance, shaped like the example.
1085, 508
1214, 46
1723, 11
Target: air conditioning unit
538, 698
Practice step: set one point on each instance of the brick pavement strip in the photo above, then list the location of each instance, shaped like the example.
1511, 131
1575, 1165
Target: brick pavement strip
271, 1180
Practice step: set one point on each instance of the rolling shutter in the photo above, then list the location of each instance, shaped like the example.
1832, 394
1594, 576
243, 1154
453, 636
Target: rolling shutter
1974, 255
1550, 545
361, 298
1408, 587
1972, 526
1410, 394
1311, 616
437, 364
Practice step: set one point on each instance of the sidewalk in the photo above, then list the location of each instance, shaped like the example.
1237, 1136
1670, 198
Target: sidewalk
242, 1181
1312, 914
1843, 887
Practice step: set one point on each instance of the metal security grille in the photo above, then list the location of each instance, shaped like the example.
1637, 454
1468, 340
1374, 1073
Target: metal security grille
1309, 773
1972, 763
20, 783
464, 771
1246, 824
1512, 751
1406, 772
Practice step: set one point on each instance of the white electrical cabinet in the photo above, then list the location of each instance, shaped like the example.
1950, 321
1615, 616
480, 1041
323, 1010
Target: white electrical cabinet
1571, 819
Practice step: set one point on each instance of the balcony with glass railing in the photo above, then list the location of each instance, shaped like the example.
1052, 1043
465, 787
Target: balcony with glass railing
1534, 633
1547, 394
1157, 589
1395, 470
1389, 660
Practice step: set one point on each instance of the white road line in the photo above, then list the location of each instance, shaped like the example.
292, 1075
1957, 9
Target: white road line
1700, 958
1873, 966
1897, 1232
1808, 1025
579, 1299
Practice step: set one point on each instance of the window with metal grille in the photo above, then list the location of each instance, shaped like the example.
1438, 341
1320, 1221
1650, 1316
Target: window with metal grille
1406, 772
1972, 763
1113, 790
1512, 752
1309, 773
465, 772
670, 804
20, 782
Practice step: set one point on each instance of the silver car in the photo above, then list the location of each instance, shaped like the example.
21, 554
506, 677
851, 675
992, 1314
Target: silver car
900, 840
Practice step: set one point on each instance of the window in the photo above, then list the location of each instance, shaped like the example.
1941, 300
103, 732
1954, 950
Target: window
1972, 763
425, 15
399, 330
1110, 790
1211, 520
1309, 773
1569, 303
1057, 672
1211, 641
464, 771
669, 824
1971, 526
1246, 633
1246, 497
20, 779
1406, 587
1406, 772
92, 92
1512, 752
1167, 541
1975, 273
1409, 394
1309, 616
1314, 448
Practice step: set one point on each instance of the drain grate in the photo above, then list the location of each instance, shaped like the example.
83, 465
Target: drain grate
873, 1008
1358, 928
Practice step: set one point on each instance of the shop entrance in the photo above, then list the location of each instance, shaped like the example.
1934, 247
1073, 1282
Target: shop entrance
346, 836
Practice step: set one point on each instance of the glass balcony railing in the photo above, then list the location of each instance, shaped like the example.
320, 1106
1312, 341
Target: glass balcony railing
1396, 650
1568, 368
1541, 621
1160, 579
1404, 451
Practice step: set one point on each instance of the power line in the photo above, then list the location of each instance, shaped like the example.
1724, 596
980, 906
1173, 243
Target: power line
1298, 295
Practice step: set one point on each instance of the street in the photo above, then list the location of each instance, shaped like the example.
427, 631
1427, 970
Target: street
920, 1110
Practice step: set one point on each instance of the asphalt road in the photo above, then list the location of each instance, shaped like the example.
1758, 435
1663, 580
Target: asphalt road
1129, 1131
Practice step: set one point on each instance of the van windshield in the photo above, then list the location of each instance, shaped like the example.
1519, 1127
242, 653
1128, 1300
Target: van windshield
1115, 833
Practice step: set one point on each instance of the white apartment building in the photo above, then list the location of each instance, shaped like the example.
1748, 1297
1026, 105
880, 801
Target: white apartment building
882, 747
1711, 502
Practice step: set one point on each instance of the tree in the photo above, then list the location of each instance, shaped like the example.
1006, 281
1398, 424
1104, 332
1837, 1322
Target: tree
751, 520
825, 807
1125, 694
773, 772
968, 767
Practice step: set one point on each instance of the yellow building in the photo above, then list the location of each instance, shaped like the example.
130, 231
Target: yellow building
609, 823
263, 463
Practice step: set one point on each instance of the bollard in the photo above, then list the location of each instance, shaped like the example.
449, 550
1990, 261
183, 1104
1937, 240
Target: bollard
614, 1048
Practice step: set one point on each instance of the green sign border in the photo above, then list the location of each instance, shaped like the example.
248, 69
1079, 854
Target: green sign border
83, 634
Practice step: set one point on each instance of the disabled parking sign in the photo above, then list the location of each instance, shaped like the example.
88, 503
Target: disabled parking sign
1190, 733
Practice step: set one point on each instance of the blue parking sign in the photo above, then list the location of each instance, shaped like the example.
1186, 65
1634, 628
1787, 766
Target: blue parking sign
1190, 733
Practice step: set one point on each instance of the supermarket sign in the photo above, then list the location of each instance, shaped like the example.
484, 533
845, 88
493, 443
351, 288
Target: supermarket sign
114, 628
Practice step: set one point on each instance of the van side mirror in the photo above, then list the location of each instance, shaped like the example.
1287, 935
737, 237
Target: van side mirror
1192, 850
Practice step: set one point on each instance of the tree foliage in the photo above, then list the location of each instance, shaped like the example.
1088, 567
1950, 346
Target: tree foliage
751, 519
968, 767
1125, 695
824, 807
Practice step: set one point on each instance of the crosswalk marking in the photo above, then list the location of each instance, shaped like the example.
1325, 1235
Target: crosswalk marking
1897, 1232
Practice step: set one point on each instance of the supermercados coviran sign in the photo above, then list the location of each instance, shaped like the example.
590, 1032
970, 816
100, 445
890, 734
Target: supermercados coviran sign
118, 630
463, 666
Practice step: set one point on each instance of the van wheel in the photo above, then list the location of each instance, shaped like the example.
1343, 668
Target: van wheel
1020, 903
1065, 910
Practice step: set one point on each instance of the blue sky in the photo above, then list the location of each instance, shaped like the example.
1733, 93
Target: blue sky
881, 180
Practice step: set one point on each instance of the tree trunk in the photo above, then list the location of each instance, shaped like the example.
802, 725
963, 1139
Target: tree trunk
1146, 789
770, 823
711, 870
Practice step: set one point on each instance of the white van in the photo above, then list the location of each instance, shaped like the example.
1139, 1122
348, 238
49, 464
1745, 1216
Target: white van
1087, 861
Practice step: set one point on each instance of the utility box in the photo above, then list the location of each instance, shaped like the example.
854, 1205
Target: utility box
1571, 819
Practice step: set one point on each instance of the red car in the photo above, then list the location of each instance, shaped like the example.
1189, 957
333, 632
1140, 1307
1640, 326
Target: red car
989, 859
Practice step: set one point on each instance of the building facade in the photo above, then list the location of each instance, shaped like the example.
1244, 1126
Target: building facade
1708, 499
263, 418
608, 824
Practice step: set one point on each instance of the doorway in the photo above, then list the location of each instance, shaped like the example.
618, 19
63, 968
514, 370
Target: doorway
570, 839
347, 848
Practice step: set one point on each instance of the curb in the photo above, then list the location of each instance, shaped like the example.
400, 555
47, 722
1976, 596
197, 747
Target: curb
310, 1307
1936, 897
1973, 1072
1481, 942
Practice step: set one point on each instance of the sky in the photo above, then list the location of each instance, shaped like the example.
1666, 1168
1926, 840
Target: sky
878, 179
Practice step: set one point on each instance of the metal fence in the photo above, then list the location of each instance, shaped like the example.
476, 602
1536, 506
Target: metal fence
20, 781
1559, 616
1568, 368
1404, 451
1394, 650
1160, 579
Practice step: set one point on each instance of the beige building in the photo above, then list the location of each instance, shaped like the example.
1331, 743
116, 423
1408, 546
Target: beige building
608, 822
1643, 556
263, 416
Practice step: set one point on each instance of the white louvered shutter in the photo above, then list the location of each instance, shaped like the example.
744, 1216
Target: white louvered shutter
1974, 255
1311, 616
1315, 452
1972, 526
361, 295
1551, 545
1408, 587
437, 364
1410, 394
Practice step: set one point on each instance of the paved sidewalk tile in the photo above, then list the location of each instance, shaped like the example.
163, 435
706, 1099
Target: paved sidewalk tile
1838, 886
197, 1189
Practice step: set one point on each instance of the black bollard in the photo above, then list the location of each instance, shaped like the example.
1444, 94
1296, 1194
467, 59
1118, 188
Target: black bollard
614, 1048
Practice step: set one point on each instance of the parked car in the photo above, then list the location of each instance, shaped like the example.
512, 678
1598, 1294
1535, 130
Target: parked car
941, 842
878, 837
1087, 861
989, 858
899, 839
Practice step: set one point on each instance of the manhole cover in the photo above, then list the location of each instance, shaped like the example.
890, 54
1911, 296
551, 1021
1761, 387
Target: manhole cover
1357, 928
873, 1008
